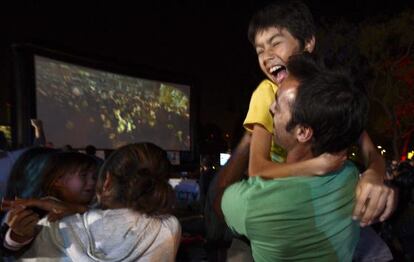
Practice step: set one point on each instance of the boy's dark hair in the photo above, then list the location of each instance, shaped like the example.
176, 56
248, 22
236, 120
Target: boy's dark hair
329, 103
294, 16
139, 175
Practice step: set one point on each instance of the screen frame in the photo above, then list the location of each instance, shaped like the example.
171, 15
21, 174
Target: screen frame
24, 81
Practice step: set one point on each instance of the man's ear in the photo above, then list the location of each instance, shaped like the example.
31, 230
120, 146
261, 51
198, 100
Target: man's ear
304, 134
310, 45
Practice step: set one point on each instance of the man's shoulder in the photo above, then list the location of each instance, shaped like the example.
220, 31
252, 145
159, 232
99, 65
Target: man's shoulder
234, 205
347, 171
244, 186
250, 190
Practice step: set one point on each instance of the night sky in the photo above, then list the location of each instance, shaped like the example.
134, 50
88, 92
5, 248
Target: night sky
203, 39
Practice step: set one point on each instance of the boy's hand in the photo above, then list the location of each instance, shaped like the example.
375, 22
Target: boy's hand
22, 222
327, 162
374, 199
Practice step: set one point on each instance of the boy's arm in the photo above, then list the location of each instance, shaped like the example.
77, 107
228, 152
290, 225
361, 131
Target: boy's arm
374, 198
261, 165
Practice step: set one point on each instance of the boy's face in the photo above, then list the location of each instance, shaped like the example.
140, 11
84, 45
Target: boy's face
274, 46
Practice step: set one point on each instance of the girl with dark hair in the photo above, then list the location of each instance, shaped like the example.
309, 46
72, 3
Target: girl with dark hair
66, 180
133, 222
71, 177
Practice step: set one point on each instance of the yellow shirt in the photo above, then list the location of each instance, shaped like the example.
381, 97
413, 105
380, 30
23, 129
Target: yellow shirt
258, 113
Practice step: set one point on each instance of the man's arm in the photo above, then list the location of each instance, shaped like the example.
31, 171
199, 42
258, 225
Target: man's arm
374, 198
233, 171
261, 165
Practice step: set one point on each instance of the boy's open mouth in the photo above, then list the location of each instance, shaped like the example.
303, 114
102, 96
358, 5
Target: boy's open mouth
279, 73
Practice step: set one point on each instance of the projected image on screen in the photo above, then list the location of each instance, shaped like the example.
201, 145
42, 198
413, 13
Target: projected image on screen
81, 106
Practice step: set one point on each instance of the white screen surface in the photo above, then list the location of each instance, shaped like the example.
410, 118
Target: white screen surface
81, 106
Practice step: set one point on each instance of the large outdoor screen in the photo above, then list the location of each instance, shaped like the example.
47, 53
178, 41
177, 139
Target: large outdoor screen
80, 106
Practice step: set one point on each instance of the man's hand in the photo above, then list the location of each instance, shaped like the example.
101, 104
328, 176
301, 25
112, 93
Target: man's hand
374, 199
22, 222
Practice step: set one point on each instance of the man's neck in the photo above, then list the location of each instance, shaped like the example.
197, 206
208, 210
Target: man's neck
299, 153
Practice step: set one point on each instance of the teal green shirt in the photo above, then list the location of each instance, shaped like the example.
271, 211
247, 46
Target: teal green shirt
296, 218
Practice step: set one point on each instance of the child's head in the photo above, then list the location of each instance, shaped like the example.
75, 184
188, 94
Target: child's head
71, 177
278, 31
136, 176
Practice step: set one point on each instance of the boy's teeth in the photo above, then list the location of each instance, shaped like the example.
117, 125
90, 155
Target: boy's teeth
274, 68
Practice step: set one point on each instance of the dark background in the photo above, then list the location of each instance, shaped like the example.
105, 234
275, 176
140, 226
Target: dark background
204, 39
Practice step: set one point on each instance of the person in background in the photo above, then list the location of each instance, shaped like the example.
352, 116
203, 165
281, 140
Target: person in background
398, 231
91, 151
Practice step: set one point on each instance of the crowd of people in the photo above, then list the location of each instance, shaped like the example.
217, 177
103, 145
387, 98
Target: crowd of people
288, 191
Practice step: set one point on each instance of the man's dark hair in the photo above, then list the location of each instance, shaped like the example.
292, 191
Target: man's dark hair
294, 16
328, 102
